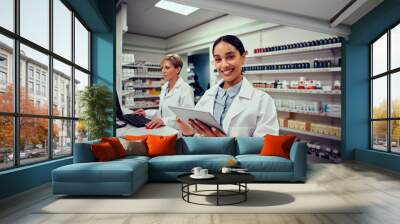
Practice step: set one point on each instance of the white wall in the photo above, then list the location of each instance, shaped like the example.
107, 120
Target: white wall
145, 48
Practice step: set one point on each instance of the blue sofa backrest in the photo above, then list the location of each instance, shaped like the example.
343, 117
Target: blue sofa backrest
249, 145
83, 153
206, 145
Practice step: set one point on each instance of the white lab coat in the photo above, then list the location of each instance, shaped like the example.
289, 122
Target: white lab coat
181, 96
252, 112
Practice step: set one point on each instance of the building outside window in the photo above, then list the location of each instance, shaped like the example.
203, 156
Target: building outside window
57, 131
30, 87
43, 77
30, 72
3, 72
38, 89
43, 90
3, 61
3, 78
385, 96
37, 74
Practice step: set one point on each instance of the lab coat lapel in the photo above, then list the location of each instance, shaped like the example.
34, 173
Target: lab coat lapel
241, 102
209, 98
176, 87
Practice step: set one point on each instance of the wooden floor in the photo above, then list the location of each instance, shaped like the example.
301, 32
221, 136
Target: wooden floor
377, 188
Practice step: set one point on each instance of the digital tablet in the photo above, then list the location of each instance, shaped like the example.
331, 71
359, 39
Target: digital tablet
190, 113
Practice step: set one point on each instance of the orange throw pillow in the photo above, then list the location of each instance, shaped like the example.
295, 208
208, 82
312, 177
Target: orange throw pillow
161, 145
116, 145
277, 145
135, 137
103, 152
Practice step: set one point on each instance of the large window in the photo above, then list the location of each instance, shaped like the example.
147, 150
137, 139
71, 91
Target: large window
44, 64
385, 94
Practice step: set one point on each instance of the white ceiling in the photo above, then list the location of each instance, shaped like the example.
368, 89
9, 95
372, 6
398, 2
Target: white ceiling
319, 9
314, 15
145, 19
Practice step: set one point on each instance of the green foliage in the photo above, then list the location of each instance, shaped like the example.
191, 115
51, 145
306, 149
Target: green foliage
96, 102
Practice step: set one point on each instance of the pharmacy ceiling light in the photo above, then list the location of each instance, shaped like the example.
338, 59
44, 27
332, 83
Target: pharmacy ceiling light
176, 7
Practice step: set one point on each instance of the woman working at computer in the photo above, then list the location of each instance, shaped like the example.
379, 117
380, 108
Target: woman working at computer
240, 109
175, 92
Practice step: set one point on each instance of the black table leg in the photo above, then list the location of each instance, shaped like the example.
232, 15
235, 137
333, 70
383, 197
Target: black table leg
245, 193
217, 194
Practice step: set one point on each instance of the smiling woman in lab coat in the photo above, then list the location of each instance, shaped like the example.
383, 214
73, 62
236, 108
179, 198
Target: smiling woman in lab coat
175, 92
240, 109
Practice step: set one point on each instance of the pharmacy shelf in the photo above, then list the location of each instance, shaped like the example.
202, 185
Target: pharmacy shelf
303, 91
310, 134
322, 114
145, 107
145, 97
127, 92
297, 50
142, 77
306, 70
130, 65
146, 87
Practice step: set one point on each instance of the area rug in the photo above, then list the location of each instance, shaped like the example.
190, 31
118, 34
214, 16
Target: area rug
167, 198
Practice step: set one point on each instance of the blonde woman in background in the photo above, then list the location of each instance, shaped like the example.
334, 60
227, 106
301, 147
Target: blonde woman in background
175, 92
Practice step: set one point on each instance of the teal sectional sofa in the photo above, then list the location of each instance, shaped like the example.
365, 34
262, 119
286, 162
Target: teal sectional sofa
125, 176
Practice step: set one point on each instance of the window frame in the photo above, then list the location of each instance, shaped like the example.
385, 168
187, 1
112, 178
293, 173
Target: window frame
388, 74
16, 114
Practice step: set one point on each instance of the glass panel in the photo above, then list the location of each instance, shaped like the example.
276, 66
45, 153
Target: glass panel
6, 142
395, 95
62, 29
81, 45
34, 97
62, 89
81, 81
379, 97
62, 141
6, 74
7, 14
35, 21
33, 139
81, 131
395, 47
395, 136
379, 55
379, 135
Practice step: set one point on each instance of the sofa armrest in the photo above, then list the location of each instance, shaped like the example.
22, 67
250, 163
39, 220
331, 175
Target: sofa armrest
83, 152
298, 155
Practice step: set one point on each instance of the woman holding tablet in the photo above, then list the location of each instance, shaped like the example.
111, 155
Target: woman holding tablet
175, 92
240, 109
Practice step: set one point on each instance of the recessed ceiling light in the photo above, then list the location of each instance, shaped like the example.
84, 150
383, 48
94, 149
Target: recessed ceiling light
176, 7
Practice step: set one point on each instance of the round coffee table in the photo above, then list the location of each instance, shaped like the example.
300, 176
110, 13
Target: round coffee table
238, 179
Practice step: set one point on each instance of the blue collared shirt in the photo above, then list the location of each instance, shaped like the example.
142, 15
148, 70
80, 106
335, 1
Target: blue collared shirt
223, 101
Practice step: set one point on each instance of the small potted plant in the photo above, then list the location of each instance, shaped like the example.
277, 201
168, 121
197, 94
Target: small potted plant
96, 102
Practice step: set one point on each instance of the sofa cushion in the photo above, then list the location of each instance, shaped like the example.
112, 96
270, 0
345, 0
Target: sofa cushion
249, 145
257, 163
103, 152
185, 163
112, 171
206, 145
134, 147
135, 137
277, 145
161, 145
116, 145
